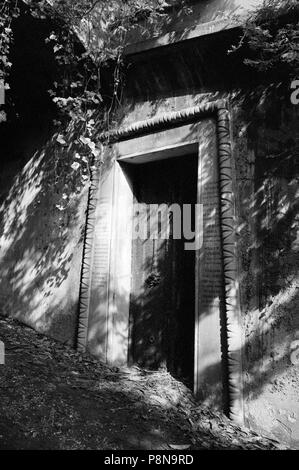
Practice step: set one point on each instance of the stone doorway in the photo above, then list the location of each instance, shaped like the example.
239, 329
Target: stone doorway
105, 319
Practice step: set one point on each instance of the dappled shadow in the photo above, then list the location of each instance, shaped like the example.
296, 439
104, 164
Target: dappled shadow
42, 219
266, 159
43, 201
265, 150
55, 398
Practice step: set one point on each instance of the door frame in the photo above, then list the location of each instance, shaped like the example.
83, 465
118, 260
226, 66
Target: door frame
119, 143
187, 151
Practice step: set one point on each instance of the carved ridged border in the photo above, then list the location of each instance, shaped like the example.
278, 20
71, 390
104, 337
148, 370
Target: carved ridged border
162, 122
230, 266
219, 110
86, 271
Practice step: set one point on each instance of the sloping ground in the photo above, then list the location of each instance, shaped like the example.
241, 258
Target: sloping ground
52, 397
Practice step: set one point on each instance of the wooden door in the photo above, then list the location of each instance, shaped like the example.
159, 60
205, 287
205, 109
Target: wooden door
162, 300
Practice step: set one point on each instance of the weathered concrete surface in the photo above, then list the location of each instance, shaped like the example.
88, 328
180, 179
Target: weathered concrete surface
42, 225
194, 19
41, 245
264, 154
42, 199
265, 148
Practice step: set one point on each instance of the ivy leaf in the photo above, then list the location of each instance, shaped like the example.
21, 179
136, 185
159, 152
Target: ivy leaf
96, 152
75, 166
57, 48
60, 139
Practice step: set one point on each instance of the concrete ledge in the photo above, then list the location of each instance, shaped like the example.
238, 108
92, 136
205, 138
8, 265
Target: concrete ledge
173, 37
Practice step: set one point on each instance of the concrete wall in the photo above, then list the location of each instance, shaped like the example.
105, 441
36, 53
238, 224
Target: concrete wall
42, 199
196, 18
41, 245
265, 148
42, 221
267, 197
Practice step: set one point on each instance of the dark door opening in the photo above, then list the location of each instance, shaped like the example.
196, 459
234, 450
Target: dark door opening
162, 304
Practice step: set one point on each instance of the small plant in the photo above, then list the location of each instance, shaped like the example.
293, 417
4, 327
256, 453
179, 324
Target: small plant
272, 36
88, 40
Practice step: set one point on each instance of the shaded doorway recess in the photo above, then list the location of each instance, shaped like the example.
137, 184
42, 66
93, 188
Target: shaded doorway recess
162, 301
